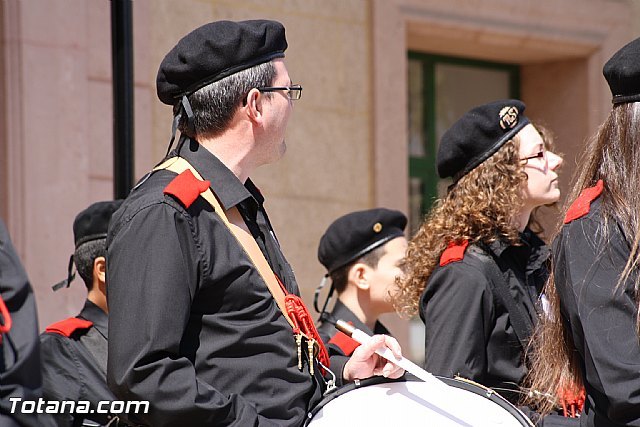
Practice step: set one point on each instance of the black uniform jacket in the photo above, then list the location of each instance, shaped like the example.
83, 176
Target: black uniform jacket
19, 349
468, 330
601, 318
339, 345
74, 364
193, 328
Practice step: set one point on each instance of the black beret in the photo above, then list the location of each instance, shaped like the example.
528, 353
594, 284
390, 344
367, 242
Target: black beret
354, 235
93, 222
217, 50
622, 72
477, 135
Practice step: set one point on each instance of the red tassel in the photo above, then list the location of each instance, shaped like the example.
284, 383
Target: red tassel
572, 401
304, 323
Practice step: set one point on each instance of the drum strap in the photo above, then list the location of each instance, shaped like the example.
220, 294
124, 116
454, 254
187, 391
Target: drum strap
522, 325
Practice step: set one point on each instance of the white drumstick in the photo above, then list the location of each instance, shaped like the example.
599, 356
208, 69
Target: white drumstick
362, 337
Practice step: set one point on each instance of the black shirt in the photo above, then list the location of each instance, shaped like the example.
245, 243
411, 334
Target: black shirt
327, 331
600, 318
19, 348
193, 327
75, 367
468, 330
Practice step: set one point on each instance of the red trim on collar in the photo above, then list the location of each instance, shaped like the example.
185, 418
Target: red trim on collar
69, 326
345, 343
453, 253
582, 205
186, 188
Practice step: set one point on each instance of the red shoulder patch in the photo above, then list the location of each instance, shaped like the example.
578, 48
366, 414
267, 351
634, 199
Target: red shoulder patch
344, 343
69, 326
582, 205
5, 316
186, 188
453, 253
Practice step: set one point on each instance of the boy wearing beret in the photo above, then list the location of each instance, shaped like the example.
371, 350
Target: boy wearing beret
591, 336
195, 326
74, 350
475, 269
362, 252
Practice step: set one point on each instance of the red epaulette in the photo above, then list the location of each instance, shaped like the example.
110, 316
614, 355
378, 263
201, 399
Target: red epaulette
581, 206
345, 343
69, 326
186, 188
5, 326
453, 253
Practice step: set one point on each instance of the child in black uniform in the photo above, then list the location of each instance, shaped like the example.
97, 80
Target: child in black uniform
591, 336
475, 269
362, 252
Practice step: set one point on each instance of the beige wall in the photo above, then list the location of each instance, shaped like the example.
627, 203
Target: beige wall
58, 132
560, 45
347, 140
60, 160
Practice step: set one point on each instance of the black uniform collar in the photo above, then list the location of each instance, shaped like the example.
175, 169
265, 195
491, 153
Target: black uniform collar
539, 252
225, 184
533, 251
341, 311
93, 313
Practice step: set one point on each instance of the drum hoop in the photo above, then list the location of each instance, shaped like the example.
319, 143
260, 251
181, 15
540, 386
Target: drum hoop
457, 382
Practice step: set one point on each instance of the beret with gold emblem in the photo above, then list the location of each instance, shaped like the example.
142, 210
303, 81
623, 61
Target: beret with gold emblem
352, 236
622, 72
477, 135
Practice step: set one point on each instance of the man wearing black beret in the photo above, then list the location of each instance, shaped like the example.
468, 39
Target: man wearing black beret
206, 321
591, 336
475, 269
362, 252
74, 350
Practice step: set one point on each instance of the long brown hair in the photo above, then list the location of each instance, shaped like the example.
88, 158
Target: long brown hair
613, 155
480, 207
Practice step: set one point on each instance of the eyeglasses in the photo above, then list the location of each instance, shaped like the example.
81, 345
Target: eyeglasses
538, 155
293, 92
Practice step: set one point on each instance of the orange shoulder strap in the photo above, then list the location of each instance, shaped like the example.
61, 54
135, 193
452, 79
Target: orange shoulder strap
234, 221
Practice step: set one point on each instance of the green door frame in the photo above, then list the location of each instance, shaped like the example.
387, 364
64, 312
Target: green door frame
424, 167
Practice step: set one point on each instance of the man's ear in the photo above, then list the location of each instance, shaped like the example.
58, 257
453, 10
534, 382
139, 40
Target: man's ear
100, 268
358, 275
253, 106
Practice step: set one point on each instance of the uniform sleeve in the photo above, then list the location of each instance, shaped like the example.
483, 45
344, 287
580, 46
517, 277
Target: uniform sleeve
153, 267
607, 317
60, 374
19, 348
456, 309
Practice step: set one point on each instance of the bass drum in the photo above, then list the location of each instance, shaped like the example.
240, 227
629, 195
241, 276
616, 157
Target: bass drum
380, 401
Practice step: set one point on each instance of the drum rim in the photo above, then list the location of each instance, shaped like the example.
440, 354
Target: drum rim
462, 383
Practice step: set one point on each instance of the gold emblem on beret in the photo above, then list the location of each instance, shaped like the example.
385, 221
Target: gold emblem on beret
377, 227
508, 117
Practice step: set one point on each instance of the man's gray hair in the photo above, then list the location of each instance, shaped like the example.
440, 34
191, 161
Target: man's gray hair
215, 104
